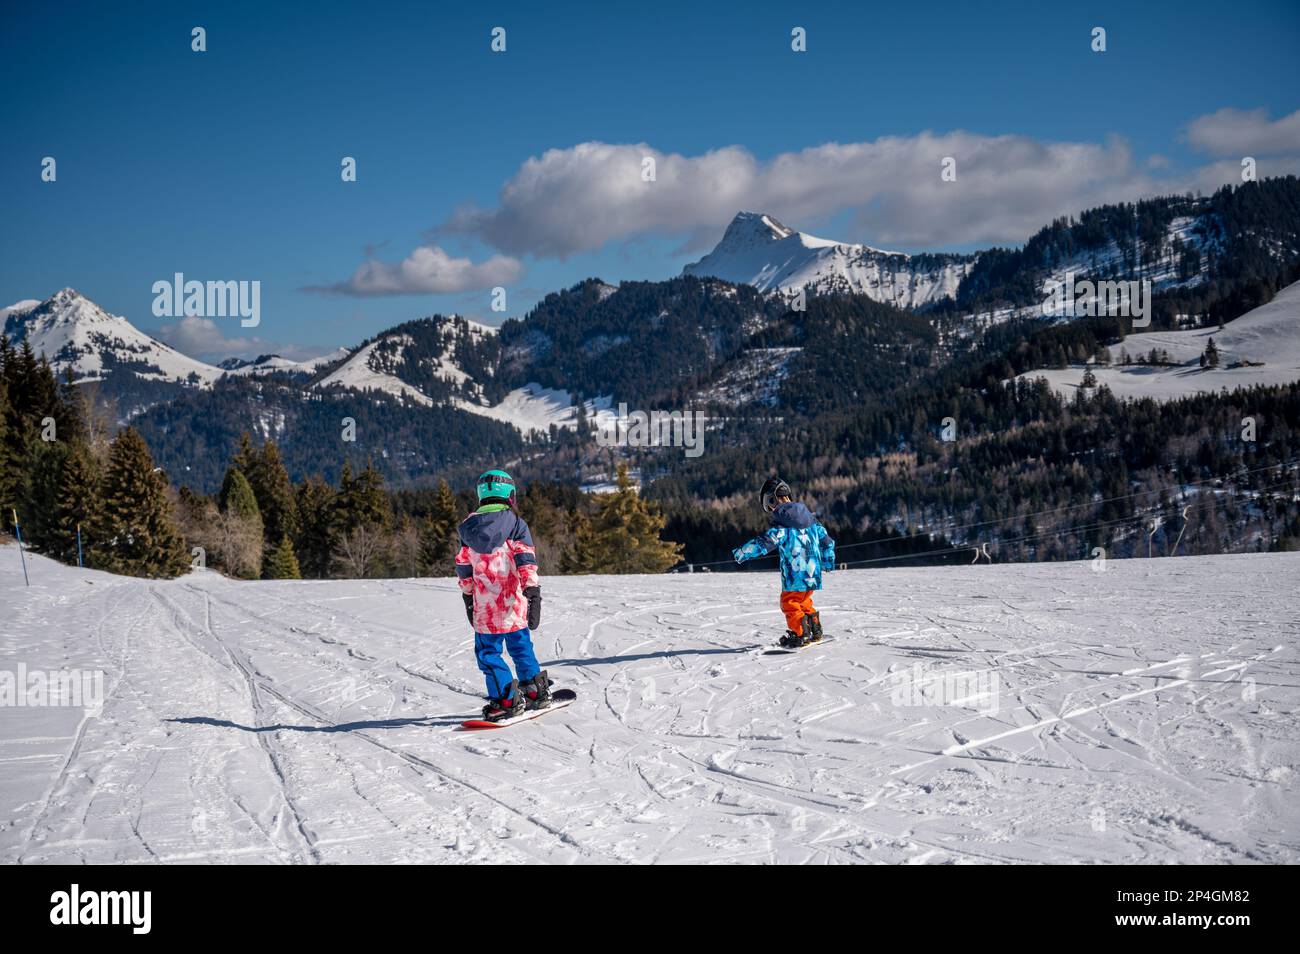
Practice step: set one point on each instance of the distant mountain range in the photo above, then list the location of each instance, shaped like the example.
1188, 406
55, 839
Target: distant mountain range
74, 332
721, 335
758, 250
273, 363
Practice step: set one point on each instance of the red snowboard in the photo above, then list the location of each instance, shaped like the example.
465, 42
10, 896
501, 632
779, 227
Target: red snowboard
559, 699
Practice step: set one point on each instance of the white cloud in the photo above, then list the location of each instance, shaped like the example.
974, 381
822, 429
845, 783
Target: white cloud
426, 270
203, 338
579, 199
1237, 132
591, 195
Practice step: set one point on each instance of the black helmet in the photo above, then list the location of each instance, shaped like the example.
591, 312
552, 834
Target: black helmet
773, 487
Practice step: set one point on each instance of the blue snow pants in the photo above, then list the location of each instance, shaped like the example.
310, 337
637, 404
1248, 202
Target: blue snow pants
487, 650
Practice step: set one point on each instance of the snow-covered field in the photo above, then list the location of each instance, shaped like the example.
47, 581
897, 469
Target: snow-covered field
1269, 334
1147, 713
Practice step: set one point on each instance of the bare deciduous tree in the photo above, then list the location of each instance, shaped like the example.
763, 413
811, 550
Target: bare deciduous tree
358, 553
238, 544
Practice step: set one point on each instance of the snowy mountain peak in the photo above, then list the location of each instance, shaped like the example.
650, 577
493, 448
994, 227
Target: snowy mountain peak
759, 250
753, 228
74, 332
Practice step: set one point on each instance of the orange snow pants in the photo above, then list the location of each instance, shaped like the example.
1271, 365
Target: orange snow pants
796, 604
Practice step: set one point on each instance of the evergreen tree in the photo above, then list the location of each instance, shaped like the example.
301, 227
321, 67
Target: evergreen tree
623, 537
74, 501
245, 458
242, 541
282, 564
237, 496
132, 531
585, 554
31, 396
274, 491
438, 533
9, 474
317, 529
42, 466
1211, 357
361, 501
38, 436
547, 508
33, 389
71, 411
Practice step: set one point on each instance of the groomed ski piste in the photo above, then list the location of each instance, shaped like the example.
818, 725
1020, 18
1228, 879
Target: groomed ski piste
1003, 713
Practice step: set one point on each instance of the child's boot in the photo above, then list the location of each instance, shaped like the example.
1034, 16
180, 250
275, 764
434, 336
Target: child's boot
813, 625
792, 640
536, 692
805, 625
508, 706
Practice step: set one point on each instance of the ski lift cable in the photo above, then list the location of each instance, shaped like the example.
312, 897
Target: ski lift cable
1039, 513
1135, 518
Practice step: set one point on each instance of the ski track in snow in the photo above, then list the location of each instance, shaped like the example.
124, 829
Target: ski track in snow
313, 722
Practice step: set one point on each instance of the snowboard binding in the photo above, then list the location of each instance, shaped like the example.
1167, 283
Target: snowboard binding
508, 706
793, 640
536, 692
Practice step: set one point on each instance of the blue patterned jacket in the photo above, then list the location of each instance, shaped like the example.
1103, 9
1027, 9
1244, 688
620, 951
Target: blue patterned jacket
806, 548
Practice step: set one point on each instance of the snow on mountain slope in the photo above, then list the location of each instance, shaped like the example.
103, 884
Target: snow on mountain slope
528, 408
72, 331
758, 250
17, 308
366, 371
1269, 334
535, 408
270, 363
1113, 262
1148, 714
753, 378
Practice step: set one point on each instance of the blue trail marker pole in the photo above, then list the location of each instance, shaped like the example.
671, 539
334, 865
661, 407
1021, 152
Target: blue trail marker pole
19, 533
79, 563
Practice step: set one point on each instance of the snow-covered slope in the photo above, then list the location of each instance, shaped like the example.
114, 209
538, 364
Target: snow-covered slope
72, 331
753, 378
535, 408
380, 366
270, 363
1047, 713
367, 370
1113, 262
18, 308
758, 250
1267, 336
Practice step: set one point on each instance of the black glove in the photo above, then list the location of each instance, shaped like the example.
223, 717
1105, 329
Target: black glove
469, 606
534, 594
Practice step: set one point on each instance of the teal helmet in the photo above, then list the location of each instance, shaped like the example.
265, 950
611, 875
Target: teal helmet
496, 484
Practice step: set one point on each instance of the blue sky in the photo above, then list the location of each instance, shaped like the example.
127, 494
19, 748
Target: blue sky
225, 164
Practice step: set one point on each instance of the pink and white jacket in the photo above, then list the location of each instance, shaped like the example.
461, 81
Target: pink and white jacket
495, 565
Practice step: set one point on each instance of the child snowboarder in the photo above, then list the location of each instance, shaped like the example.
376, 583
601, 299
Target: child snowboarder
806, 550
497, 572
